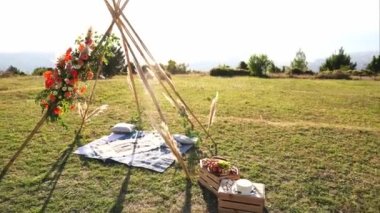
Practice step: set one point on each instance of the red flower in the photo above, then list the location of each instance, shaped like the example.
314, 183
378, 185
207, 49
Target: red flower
88, 41
84, 57
57, 111
52, 97
72, 107
80, 62
74, 73
90, 75
67, 94
68, 51
49, 83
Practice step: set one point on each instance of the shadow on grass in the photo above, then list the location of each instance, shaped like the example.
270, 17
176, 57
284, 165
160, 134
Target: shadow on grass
187, 204
210, 199
58, 168
118, 206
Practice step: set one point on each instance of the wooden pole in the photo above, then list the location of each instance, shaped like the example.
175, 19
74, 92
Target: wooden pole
122, 27
170, 83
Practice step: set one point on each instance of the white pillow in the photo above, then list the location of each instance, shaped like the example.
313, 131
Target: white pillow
183, 139
123, 128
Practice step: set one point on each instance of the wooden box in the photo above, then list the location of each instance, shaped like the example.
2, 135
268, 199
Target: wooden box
212, 181
230, 201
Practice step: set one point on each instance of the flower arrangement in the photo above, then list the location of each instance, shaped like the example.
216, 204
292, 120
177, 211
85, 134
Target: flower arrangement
62, 88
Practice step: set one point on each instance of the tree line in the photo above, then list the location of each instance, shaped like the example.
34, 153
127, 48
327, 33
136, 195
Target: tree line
336, 66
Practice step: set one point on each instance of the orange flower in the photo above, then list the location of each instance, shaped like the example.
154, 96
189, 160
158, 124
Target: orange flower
57, 111
72, 107
67, 58
90, 75
68, 55
81, 47
83, 89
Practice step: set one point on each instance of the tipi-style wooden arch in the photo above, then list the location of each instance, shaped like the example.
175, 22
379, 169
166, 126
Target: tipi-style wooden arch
132, 43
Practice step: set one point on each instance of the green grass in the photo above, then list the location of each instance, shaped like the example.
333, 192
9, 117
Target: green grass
313, 143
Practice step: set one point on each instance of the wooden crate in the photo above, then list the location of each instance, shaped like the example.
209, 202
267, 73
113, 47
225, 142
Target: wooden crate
236, 203
211, 181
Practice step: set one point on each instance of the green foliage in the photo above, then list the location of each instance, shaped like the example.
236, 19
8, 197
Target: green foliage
374, 65
259, 64
340, 61
40, 70
116, 62
173, 68
299, 62
228, 72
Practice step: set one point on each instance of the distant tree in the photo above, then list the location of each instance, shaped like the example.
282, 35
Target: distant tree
11, 70
259, 64
182, 68
272, 68
299, 62
374, 65
243, 65
116, 63
174, 68
340, 61
41, 70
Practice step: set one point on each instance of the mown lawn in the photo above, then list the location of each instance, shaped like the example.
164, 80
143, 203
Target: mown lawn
313, 143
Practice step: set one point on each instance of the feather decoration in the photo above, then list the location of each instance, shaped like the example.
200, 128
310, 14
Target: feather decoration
212, 115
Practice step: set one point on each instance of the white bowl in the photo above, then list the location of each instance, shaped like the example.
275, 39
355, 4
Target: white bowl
244, 186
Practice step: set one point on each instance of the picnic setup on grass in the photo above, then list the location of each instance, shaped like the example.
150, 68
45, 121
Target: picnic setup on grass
126, 143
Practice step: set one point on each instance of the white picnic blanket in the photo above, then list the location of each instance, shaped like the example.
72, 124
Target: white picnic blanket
139, 149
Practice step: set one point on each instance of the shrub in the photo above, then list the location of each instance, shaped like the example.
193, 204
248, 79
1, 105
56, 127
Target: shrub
336, 74
228, 72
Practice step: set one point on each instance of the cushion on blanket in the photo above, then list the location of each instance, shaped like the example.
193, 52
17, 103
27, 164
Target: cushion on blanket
123, 128
183, 139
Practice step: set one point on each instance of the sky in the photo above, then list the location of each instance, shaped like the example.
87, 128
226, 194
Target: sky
193, 31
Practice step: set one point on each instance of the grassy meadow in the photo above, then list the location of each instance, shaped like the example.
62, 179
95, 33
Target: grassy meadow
313, 143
